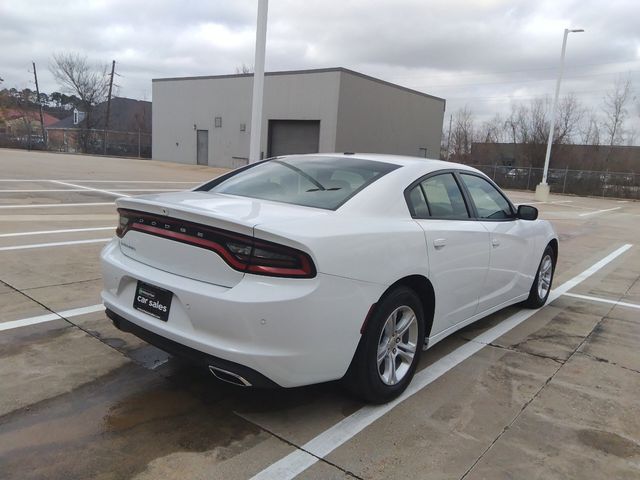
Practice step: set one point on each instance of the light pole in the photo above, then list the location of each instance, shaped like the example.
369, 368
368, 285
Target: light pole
542, 189
258, 82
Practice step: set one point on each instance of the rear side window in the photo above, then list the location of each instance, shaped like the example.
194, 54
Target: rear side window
418, 203
489, 202
443, 198
322, 182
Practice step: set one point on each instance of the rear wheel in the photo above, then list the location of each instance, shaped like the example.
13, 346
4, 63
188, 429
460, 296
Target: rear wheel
389, 349
542, 283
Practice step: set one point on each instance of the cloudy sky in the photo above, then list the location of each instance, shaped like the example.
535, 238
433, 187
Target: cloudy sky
482, 53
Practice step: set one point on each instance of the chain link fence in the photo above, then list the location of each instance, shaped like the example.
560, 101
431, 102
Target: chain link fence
576, 182
109, 142
71, 140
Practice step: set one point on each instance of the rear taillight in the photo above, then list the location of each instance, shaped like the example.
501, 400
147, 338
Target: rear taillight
240, 252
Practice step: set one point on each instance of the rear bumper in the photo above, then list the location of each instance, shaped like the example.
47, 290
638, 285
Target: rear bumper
255, 379
292, 332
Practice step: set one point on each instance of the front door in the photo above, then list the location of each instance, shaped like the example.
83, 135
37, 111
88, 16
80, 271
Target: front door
202, 147
510, 246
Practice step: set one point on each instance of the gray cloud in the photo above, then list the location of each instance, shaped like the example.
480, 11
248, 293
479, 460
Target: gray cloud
483, 53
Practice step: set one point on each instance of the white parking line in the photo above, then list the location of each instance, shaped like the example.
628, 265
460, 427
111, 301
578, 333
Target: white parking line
603, 300
51, 205
54, 190
29, 180
319, 447
99, 190
598, 211
58, 190
149, 190
131, 181
50, 316
53, 244
47, 232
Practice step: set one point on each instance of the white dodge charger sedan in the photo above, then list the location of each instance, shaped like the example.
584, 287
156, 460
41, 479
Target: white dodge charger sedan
309, 268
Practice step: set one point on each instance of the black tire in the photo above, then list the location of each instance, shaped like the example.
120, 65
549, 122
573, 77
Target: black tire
364, 379
536, 300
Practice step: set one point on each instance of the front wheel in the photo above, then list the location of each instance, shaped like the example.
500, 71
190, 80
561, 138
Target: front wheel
389, 349
542, 283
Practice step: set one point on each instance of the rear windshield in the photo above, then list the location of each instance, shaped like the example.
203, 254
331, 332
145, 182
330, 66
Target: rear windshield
322, 182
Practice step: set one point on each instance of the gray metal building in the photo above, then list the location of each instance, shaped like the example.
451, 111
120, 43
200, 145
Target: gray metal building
206, 120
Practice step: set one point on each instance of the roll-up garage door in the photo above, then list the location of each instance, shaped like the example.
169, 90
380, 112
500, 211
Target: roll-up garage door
287, 137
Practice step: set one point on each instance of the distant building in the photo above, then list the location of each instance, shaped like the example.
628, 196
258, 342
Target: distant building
128, 132
16, 122
573, 157
125, 115
206, 120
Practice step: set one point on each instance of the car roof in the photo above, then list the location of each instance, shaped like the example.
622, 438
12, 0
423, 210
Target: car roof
416, 164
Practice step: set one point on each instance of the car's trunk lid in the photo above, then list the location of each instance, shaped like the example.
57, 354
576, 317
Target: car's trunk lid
178, 214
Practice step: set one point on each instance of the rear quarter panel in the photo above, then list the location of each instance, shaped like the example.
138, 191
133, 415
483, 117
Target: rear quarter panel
370, 249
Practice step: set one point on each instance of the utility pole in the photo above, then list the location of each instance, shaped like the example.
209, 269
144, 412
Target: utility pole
35, 76
258, 82
449, 136
106, 122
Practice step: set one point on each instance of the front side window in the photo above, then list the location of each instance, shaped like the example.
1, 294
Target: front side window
489, 202
321, 182
441, 196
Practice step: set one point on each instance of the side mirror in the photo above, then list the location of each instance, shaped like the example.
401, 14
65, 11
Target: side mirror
527, 212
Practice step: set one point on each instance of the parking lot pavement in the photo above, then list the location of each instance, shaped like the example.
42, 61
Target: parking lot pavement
547, 394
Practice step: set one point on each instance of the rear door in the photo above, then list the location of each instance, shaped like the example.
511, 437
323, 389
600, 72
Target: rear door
510, 245
458, 247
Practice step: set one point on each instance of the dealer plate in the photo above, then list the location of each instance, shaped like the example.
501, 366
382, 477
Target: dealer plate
153, 300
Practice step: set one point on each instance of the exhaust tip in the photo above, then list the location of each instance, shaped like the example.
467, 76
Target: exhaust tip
229, 377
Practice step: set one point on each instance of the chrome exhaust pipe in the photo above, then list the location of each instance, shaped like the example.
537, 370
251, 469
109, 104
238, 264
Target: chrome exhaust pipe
229, 377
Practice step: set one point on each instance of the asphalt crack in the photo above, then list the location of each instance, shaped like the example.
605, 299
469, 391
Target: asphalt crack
576, 351
298, 447
50, 310
609, 362
524, 352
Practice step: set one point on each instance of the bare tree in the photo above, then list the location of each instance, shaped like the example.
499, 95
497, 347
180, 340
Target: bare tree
244, 69
590, 131
462, 133
89, 82
492, 131
615, 110
568, 119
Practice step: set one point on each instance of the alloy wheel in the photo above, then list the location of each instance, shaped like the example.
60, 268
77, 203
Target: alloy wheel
544, 276
397, 345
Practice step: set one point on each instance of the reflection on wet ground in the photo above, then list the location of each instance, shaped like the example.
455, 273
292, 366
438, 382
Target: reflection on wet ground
118, 423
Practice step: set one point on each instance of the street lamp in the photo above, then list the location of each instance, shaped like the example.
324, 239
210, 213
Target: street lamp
542, 190
258, 82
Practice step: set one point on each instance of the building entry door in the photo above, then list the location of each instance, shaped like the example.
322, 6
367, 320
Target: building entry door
203, 147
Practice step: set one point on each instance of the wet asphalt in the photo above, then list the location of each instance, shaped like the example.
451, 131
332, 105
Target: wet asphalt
555, 397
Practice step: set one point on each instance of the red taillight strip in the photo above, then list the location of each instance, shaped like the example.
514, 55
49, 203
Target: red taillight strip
307, 269
198, 242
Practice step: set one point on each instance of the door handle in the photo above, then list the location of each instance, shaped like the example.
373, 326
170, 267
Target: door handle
439, 242
495, 242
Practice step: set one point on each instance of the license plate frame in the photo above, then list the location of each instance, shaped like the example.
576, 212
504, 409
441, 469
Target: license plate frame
152, 300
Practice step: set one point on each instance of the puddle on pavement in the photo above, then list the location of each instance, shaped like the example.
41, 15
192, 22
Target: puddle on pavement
113, 427
15, 340
609, 442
